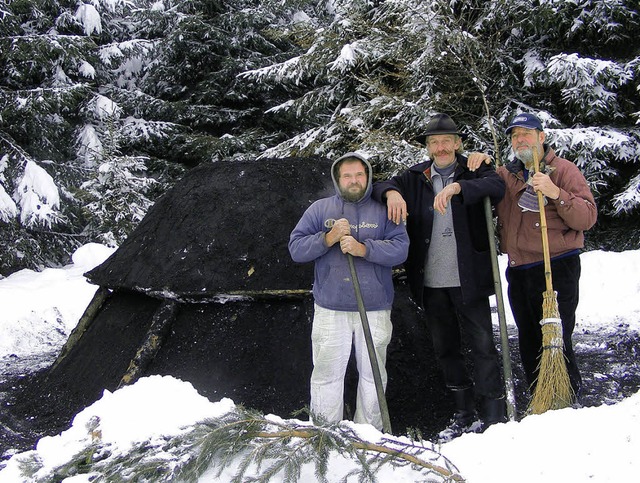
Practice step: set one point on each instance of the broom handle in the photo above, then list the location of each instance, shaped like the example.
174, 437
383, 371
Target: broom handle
543, 228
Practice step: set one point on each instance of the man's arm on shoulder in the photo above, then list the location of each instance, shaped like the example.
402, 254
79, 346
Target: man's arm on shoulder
487, 182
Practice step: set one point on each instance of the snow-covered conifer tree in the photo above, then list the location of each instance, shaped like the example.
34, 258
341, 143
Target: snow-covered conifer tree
381, 69
167, 66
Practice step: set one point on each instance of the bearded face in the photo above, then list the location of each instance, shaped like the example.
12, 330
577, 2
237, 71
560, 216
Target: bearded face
526, 156
524, 141
352, 180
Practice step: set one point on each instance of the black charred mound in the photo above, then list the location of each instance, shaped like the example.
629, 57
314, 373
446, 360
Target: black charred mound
222, 229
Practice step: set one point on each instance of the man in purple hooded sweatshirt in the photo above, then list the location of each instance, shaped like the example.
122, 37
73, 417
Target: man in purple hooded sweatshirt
350, 222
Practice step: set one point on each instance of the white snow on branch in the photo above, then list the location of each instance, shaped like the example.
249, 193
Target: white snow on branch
8, 209
38, 197
112, 5
89, 146
595, 139
60, 78
89, 18
290, 70
532, 67
158, 7
629, 199
587, 84
87, 70
104, 108
346, 59
118, 50
134, 128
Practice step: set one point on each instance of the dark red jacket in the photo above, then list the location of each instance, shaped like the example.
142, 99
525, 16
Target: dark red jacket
469, 223
567, 217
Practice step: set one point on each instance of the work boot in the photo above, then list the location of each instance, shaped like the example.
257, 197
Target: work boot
464, 420
493, 411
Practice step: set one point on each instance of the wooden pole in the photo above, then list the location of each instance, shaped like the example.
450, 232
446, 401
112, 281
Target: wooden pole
375, 368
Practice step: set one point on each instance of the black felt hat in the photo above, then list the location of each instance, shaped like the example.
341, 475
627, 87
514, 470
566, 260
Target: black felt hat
439, 124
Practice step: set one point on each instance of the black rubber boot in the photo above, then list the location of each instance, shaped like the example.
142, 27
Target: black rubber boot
464, 420
493, 411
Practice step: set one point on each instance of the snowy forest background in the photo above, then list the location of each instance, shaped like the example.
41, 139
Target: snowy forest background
105, 103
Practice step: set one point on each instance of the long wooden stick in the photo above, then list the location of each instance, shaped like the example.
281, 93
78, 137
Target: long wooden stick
373, 358
543, 227
502, 319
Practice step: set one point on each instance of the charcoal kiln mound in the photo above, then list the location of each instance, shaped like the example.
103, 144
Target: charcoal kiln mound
204, 290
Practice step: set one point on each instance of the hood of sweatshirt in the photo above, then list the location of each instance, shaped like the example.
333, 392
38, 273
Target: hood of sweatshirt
334, 176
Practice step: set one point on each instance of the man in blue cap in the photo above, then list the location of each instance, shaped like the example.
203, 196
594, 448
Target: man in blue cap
449, 267
570, 210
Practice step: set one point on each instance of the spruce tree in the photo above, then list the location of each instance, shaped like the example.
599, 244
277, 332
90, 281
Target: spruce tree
381, 69
164, 73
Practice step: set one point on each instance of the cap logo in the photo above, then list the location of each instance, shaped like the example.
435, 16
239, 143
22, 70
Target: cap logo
520, 118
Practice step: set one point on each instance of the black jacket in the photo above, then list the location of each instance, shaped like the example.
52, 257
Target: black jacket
469, 222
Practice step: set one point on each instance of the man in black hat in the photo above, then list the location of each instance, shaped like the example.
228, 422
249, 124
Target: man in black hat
449, 267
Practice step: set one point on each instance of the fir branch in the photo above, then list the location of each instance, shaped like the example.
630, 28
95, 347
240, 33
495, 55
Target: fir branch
258, 449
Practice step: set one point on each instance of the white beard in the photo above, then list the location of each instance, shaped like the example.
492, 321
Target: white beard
526, 156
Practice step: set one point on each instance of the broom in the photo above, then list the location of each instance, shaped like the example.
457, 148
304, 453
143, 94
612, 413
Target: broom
553, 388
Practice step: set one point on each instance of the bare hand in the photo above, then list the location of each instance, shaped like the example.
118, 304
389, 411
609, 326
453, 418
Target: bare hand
475, 160
541, 182
442, 199
340, 228
350, 245
396, 207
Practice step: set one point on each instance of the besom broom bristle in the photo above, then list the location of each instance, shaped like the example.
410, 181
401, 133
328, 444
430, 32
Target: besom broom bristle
553, 387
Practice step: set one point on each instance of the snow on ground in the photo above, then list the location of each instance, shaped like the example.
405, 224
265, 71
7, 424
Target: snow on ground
593, 444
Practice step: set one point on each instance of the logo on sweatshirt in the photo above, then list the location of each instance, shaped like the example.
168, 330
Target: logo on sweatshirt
329, 222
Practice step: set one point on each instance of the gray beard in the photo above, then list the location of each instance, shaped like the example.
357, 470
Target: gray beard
526, 157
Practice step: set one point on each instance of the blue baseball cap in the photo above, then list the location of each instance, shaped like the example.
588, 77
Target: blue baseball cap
526, 120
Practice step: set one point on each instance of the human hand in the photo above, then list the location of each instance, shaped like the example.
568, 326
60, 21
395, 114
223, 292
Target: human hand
396, 207
350, 245
475, 160
542, 182
441, 200
339, 229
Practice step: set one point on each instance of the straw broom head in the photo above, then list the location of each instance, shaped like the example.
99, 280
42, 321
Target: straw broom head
553, 388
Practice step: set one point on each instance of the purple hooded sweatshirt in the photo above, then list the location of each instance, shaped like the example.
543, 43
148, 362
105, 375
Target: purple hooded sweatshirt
387, 246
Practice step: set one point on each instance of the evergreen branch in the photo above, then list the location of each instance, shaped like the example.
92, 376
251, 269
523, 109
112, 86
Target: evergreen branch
258, 449
366, 446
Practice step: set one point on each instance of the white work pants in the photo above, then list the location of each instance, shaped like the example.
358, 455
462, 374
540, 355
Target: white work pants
331, 338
